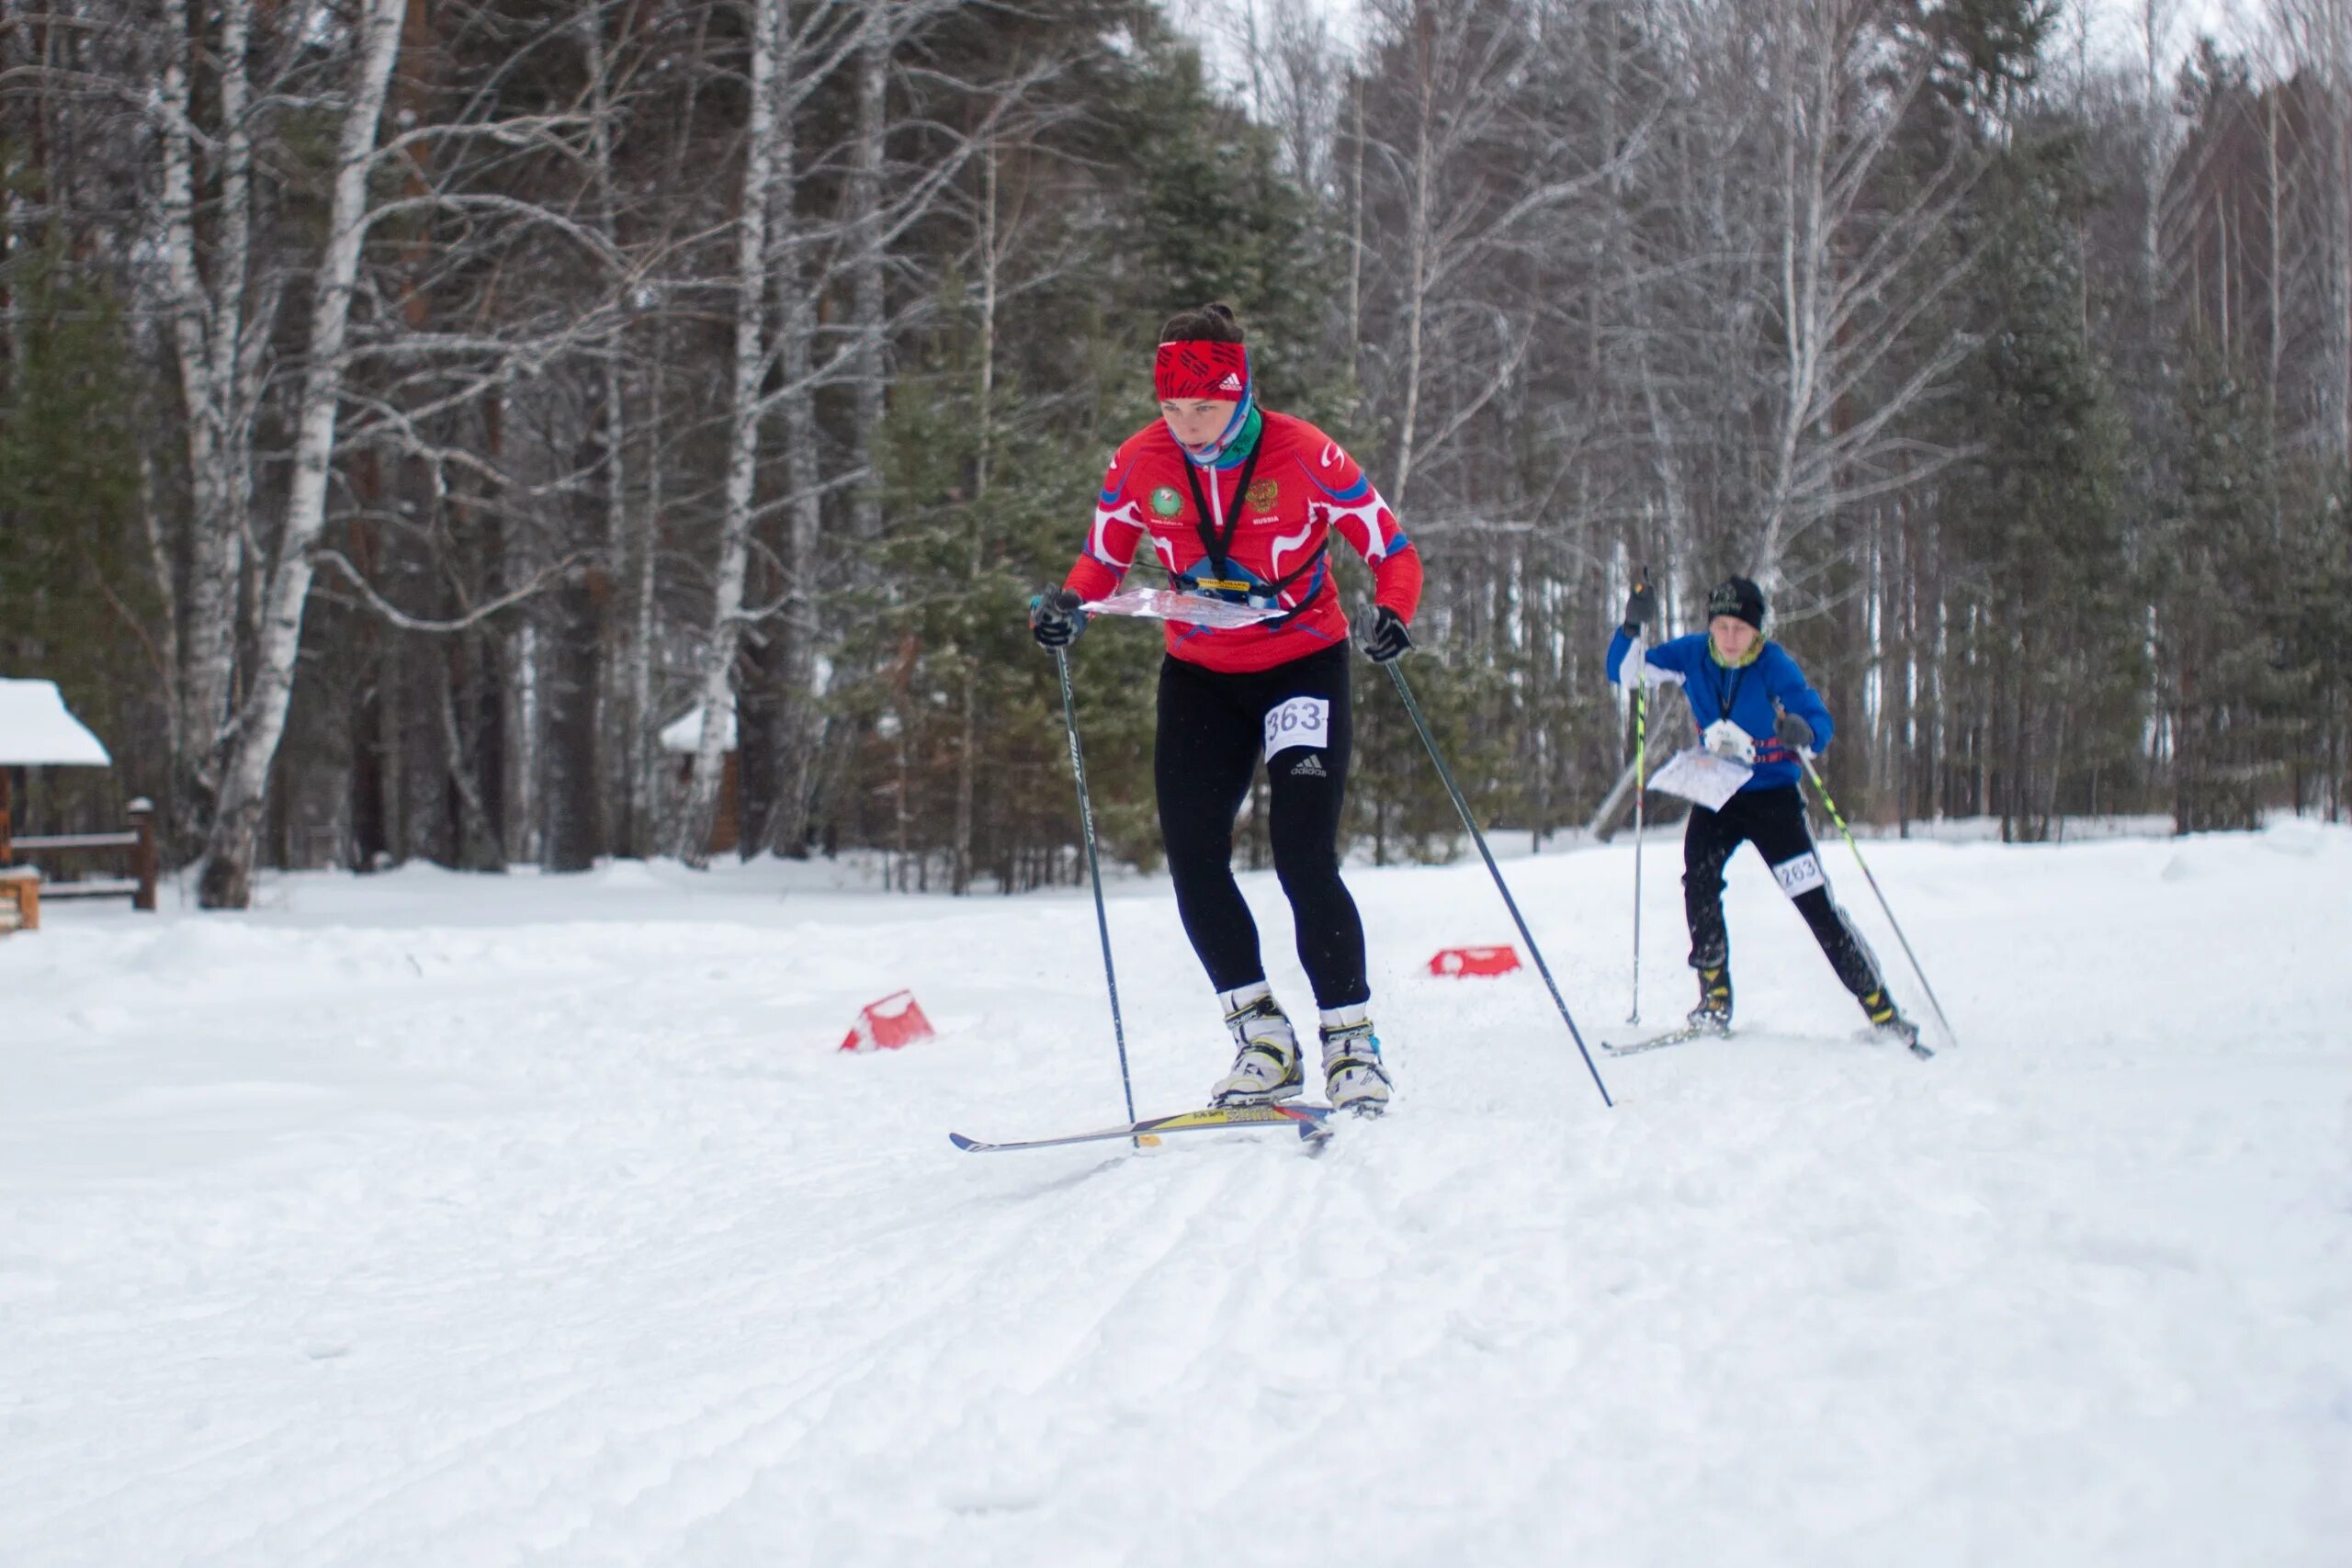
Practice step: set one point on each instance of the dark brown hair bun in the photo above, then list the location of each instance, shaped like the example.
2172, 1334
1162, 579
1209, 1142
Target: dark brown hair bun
1209, 324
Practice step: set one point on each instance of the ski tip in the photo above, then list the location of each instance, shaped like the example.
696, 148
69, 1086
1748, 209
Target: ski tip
961, 1142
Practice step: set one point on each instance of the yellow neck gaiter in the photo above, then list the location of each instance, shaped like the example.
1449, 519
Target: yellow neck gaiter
1755, 651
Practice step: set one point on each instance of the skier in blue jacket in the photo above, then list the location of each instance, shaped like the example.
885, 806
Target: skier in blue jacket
1753, 705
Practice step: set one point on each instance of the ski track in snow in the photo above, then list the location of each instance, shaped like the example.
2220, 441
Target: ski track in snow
505, 1220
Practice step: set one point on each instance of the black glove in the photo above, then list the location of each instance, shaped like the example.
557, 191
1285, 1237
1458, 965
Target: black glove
1794, 732
1388, 638
1641, 604
1055, 618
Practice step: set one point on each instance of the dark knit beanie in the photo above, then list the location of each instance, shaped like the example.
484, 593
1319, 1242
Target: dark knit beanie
1737, 596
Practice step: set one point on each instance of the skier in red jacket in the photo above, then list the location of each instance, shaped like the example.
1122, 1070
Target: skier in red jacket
1239, 504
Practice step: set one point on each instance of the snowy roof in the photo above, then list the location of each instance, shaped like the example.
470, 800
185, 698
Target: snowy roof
35, 731
684, 737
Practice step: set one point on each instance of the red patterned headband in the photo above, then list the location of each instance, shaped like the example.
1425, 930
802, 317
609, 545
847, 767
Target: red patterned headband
1201, 369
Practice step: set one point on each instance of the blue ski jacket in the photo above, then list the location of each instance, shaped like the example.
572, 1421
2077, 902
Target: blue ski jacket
1744, 695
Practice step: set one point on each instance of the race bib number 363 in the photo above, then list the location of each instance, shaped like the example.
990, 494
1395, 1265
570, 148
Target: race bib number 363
1302, 721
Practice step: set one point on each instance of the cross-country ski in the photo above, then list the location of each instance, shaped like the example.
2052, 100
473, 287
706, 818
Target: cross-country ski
1310, 1122
1688, 1032
1665, 1038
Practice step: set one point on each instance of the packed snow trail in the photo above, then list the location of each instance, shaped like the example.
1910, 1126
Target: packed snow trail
495, 1221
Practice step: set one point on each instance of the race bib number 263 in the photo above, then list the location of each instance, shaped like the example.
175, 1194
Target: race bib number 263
1800, 874
1302, 721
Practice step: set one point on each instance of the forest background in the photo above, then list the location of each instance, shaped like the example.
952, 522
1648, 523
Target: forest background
408, 408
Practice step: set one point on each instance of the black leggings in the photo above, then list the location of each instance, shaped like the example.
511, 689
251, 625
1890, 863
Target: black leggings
1213, 729
1773, 820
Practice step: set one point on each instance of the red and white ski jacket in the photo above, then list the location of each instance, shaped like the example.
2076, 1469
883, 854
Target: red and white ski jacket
1272, 516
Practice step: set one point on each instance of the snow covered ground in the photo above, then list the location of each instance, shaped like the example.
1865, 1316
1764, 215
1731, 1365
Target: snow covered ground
429, 1219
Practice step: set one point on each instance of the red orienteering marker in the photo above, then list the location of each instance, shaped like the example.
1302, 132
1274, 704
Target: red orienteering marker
1461, 961
897, 1020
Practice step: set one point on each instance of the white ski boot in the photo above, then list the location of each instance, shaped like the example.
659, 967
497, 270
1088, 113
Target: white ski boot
1354, 1076
1266, 1066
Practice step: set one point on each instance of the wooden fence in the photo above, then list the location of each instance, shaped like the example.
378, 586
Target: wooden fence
133, 852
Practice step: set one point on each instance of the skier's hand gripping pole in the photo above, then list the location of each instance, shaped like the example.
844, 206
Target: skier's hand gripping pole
1445, 775
1831, 806
1094, 875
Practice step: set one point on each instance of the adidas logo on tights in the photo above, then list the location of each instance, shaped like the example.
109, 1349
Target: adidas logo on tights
1309, 766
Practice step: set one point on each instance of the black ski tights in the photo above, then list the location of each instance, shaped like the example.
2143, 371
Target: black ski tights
1212, 728
1773, 820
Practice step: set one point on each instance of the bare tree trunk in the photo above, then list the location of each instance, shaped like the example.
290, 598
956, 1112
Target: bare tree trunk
252, 742
207, 333
1416, 239
2274, 200
1355, 251
726, 629
2318, 34
800, 631
570, 681
969, 727
867, 242
159, 565
643, 756
643, 760
461, 688
579, 830
2154, 21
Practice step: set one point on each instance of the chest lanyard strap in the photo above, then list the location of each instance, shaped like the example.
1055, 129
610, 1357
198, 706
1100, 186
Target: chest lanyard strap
1723, 704
1219, 546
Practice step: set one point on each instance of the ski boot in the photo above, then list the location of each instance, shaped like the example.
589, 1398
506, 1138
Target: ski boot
1887, 1020
1354, 1076
1265, 1065
1713, 1015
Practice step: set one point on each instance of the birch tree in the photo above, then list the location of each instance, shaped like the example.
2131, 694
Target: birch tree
2314, 39
250, 741
1860, 278
220, 339
725, 635
789, 58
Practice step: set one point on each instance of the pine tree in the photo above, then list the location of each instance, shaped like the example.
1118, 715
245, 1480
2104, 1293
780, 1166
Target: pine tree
2037, 514
77, 601
2216, 585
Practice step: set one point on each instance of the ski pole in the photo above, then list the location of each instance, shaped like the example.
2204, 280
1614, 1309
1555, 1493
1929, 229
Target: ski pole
1641, 778
1445, 775
1823, 790
1641, 768
1094, 874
